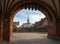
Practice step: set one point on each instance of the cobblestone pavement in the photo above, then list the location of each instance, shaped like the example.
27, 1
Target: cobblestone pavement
31, 38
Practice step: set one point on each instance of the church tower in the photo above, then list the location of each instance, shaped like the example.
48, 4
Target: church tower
28, 19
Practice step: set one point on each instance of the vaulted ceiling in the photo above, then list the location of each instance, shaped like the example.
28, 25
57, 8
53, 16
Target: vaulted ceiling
6, 5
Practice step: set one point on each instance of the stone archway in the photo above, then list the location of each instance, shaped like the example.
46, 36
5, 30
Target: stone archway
46, 11
37, 4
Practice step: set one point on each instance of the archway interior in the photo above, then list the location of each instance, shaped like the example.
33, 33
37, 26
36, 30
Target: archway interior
30, 21
12, 9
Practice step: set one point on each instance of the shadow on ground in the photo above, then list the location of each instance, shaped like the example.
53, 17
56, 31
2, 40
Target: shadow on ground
33, 41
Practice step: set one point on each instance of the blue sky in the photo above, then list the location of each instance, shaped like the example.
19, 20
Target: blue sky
34, 16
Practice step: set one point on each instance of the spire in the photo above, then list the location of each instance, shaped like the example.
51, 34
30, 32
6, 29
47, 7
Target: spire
28, 19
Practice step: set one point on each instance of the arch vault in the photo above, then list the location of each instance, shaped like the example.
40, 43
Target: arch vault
8, 9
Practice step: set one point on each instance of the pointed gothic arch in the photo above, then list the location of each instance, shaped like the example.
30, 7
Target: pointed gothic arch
37, 5
10, 8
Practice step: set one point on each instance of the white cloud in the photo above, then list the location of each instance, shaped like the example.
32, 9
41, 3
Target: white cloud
35, 18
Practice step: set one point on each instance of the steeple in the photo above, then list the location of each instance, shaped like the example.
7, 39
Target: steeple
28, 19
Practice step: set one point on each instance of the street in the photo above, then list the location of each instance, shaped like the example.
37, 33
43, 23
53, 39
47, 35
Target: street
31, 38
